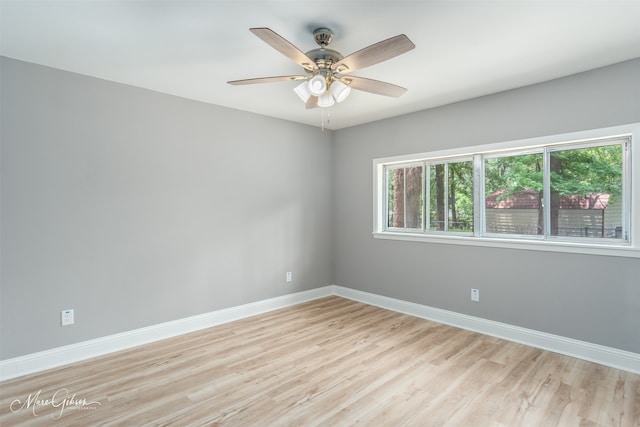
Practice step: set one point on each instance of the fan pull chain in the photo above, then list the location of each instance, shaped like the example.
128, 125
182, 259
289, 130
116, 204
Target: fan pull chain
328, 118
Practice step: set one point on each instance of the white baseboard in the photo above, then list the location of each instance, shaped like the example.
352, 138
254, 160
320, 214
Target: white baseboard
35, 362
603, 355
23, 365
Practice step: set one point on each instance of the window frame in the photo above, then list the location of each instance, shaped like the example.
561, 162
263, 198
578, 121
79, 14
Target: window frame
546, 145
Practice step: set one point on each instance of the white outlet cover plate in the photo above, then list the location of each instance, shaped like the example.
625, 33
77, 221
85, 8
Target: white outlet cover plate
67, 317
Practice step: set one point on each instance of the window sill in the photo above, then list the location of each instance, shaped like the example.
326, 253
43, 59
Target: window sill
530, 245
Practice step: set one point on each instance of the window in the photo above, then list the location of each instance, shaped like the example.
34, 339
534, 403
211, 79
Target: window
543, 193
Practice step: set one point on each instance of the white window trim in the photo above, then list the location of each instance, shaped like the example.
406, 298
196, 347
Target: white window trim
632, 249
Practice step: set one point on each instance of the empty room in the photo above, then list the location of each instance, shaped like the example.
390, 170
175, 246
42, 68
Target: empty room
305, 213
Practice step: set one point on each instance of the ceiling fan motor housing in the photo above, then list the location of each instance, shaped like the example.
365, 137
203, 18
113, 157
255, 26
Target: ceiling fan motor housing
324, 57
323, 36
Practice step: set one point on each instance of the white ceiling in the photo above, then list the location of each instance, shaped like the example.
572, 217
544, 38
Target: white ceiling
464, 49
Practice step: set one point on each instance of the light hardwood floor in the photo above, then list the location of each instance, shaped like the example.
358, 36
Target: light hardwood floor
327, 362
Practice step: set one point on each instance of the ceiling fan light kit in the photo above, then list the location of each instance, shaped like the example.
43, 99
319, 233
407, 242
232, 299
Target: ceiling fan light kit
317, 85
340, 90
326, 100
303, 91
324, 82
337, 91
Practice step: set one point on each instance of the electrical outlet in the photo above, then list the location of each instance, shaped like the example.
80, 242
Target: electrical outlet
288, 276
67, 317
475, 295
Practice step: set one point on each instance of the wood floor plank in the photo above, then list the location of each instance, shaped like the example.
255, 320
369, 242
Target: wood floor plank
327, 362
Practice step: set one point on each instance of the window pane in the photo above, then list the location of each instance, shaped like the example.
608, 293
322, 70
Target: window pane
460, 186
391, 189
437, 197
586, 192
451, 197
514, 194
404, 209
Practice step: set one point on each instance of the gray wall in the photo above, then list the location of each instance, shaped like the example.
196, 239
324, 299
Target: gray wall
590, 298
135, 208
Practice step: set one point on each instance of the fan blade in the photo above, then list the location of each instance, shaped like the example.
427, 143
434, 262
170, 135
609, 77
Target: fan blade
265, 80
374, 54
284, 47
373, 86
312, 102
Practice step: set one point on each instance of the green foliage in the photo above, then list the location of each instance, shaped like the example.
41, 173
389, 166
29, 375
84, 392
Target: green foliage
514, 173
461, 173
573, 171
588, 170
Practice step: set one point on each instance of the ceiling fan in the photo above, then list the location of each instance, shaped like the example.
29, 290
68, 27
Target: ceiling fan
326, 79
